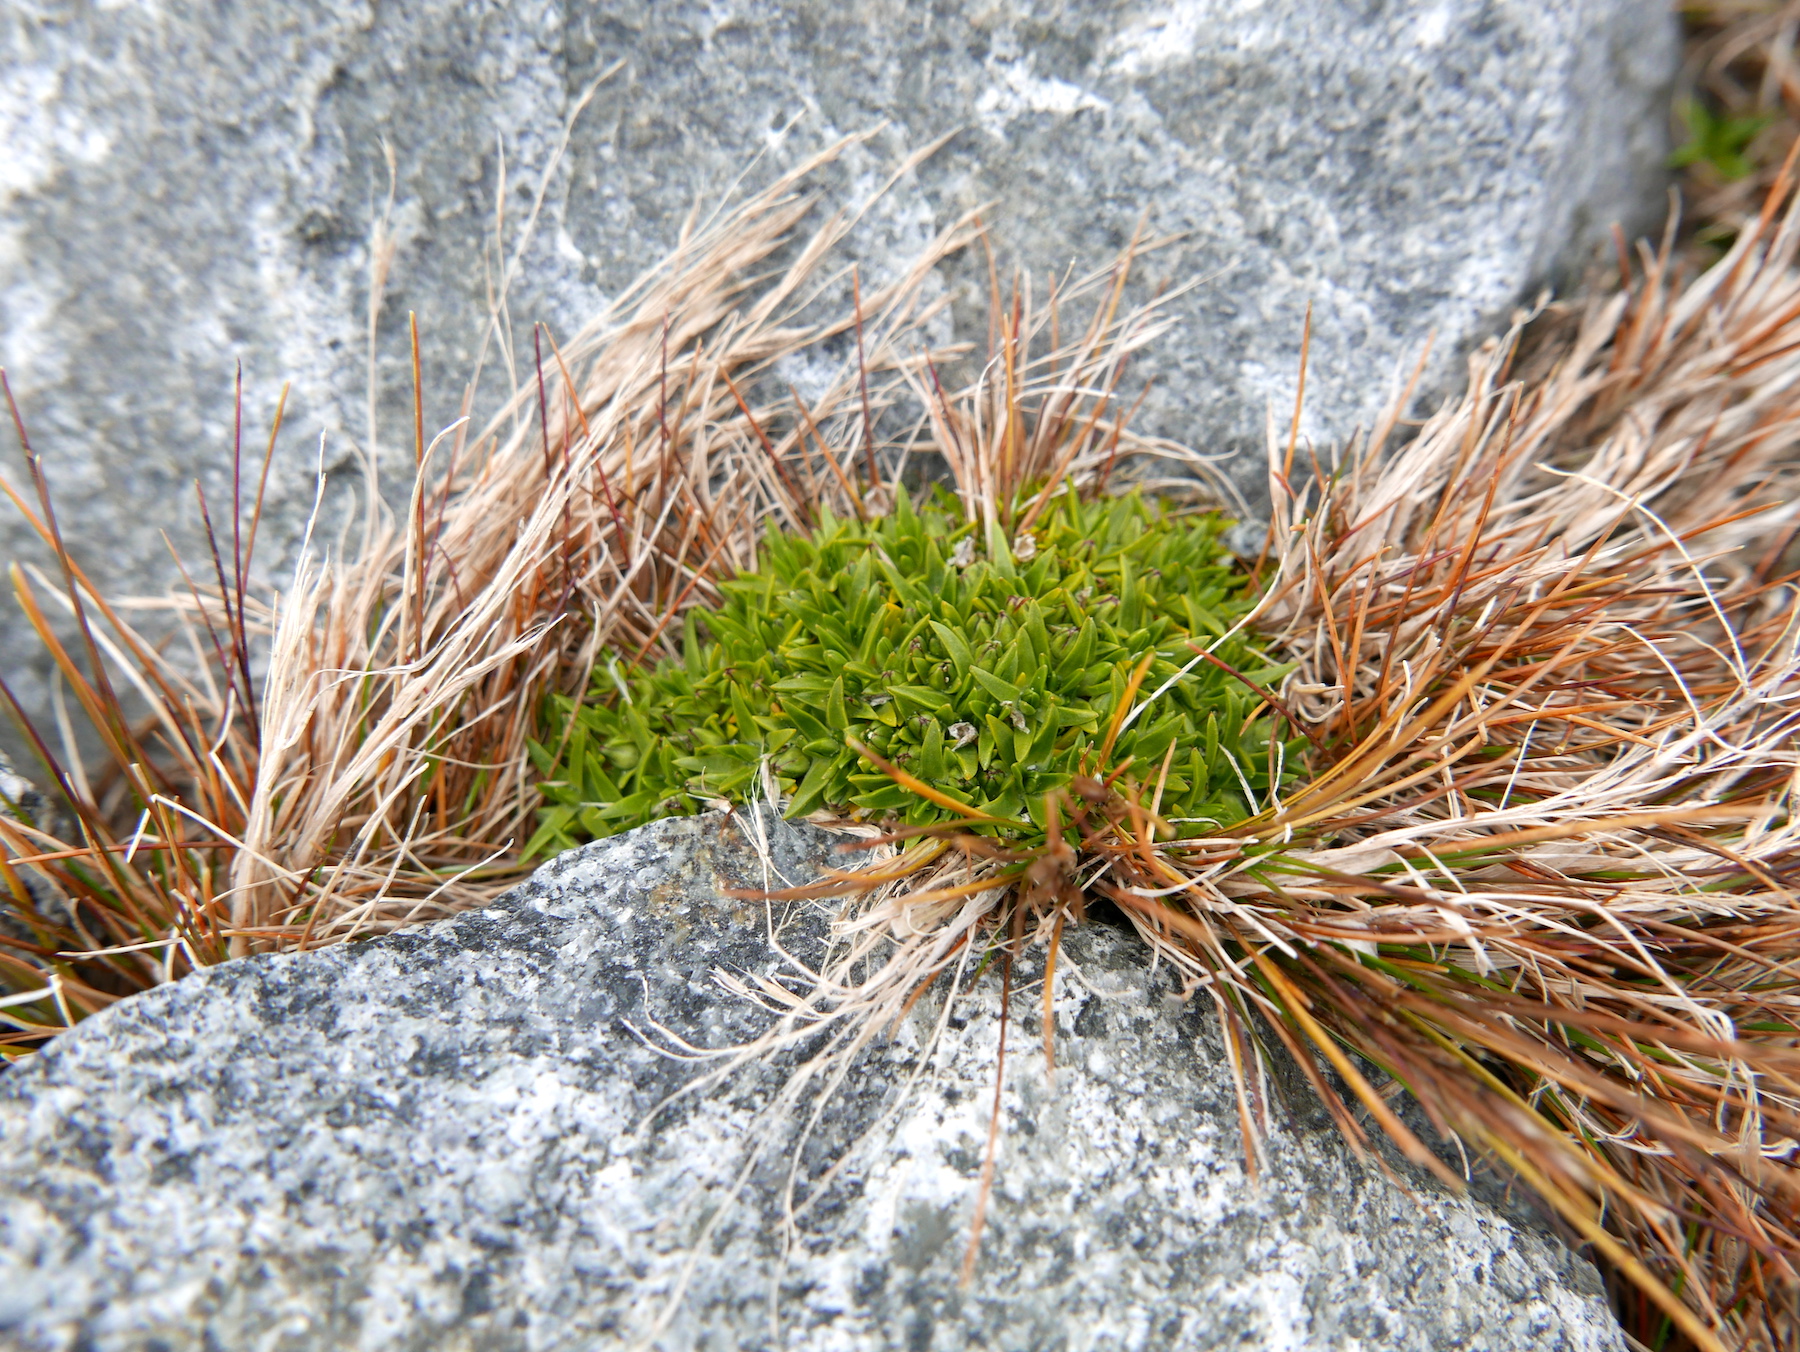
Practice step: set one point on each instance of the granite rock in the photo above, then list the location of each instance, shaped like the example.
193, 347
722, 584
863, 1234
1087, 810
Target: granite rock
187, 184
451, 1139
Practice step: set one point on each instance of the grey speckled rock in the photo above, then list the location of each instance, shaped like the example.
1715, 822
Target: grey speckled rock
187, 183
438, 1141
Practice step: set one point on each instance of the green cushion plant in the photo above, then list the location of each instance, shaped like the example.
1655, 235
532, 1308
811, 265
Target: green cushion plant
919, 666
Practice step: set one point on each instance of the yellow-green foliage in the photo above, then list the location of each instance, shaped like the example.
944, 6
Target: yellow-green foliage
988, 669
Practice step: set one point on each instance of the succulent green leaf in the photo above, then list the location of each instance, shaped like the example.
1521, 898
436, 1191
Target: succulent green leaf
837, 717
999, 689
956, 646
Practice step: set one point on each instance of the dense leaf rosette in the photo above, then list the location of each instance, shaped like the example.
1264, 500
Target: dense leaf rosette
989, 670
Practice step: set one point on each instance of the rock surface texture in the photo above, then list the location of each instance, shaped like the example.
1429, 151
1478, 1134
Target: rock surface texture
444, 1140
186, 184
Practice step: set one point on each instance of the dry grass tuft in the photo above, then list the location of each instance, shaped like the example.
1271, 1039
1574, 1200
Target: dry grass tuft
1539, 868
1550, 649
374, 775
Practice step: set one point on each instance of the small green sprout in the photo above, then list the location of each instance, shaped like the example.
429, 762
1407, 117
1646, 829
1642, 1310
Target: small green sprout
990, 670
1718, 139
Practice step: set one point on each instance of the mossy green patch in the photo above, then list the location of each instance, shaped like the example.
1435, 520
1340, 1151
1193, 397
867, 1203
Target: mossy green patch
988, 668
